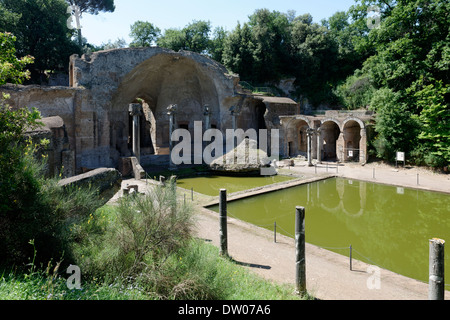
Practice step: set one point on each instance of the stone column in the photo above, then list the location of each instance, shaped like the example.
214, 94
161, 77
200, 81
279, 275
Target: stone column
363, 147
436, 285
135, 110
340, 148
309, 134
234, 113
171, 111
207, 114
319, 148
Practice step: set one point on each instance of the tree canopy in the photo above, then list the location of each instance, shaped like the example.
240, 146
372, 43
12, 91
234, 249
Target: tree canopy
410, 62
93, 6
12, 69
193, 37
144, 34
40, 27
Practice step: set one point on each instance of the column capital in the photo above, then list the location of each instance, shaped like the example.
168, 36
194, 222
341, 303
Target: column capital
206, 110
235, 110
310, 131
135, 109
172, 109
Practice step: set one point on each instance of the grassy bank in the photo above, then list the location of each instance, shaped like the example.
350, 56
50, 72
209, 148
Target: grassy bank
140, 249
197, 272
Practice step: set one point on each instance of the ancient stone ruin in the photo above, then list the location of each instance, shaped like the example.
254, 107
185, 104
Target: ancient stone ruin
117, 107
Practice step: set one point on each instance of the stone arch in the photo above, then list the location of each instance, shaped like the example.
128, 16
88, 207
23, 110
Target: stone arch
337, 122
355, 140
296, 136
359, 121
352, 138
115, 78
330, 135
166, 81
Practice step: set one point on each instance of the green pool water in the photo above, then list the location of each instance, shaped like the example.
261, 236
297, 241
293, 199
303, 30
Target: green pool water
210, 185
386, 226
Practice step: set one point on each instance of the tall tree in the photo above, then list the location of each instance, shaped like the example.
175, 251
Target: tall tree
197, 36
412, 60
315, 56
144, 34
217, 43
172, 38
40, 27
237, 53
270, 35
91, 7
193, 37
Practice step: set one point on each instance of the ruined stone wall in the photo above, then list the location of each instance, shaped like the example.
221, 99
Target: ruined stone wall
59, 108
157, 76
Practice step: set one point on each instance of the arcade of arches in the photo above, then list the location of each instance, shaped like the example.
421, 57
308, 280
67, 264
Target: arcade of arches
334, 136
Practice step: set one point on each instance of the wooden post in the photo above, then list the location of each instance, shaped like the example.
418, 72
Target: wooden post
351, 267
300, 265
275, 232
223, 223
436, 287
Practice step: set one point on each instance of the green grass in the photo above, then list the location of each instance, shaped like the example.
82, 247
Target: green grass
197, 271
140, 249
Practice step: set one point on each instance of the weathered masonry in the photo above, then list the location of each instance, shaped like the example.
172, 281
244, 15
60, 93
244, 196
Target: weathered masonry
333, 136
117, 104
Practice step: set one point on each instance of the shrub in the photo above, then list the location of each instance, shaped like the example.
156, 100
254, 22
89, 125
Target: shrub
138, 237
31, 206
42, 211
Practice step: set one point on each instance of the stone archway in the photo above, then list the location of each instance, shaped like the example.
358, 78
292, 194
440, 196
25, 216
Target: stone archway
352, 138
355, 140
297, 137
330, 134
113, 79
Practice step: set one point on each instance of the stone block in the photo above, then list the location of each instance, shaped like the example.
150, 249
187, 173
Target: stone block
106, 180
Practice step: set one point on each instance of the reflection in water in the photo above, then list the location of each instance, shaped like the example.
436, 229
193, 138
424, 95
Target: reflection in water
210, 185
386, 226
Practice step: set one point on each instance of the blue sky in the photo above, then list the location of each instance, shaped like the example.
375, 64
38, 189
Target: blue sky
178, 13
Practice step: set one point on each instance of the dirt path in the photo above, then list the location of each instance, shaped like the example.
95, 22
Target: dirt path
328, 274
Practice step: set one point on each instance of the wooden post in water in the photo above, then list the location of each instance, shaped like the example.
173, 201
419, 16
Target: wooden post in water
300, 261
436, 286
223, 223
